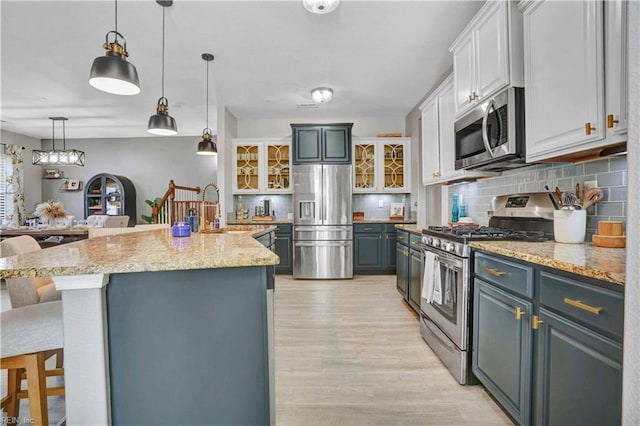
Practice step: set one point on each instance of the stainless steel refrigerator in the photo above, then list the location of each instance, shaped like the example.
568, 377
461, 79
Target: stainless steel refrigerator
322, 224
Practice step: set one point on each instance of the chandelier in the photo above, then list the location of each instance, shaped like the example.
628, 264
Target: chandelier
58, 157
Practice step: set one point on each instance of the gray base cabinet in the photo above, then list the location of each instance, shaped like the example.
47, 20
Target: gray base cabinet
284, 249
547, 344
374, 248
409, 268
502, 342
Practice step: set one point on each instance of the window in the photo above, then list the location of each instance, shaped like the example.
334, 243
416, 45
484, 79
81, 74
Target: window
4, 168
11, 186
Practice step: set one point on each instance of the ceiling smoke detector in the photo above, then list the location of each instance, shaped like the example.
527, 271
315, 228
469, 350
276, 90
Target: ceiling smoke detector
320, 7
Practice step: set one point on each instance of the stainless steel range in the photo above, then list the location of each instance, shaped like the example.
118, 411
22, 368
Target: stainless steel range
446, 295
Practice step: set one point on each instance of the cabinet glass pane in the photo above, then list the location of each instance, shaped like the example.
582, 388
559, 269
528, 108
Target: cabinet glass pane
247, 167
278, 167
393, 166
365, 166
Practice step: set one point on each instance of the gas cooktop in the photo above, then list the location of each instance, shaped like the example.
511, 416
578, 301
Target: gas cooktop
465, 234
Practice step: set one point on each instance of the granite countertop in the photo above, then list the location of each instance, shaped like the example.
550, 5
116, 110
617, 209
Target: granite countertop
413, 228
155, 250
23, 230
607, 264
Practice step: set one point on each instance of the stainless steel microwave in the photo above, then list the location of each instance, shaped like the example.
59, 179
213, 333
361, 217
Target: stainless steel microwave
491, 136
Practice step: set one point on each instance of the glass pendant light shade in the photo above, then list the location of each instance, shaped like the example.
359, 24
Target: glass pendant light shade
207, 146
322, 94
161, 123
320, 6
57, 157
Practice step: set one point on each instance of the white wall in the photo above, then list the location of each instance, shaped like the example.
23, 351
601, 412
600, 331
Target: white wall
280, 128
631, 362
32, 174
227, 131
150, 163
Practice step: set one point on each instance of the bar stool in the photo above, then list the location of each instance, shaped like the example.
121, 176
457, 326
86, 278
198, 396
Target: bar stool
29, 335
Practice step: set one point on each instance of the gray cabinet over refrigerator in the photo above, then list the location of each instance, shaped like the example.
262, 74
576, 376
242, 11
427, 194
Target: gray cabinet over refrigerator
110, 195
326, 143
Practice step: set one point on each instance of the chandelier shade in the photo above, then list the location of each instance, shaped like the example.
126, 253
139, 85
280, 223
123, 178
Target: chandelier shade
57, 157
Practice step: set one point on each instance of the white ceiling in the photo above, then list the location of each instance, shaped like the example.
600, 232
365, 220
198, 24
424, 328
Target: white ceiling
380, 57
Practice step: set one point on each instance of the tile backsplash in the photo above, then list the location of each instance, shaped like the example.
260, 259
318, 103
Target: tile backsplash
367, 203
611, 174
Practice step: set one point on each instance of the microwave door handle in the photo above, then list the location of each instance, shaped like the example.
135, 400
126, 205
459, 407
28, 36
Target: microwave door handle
485, 119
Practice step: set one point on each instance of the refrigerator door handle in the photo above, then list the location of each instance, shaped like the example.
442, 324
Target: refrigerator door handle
322, 243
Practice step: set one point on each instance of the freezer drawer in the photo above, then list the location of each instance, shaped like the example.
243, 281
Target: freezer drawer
322, 233
322, 259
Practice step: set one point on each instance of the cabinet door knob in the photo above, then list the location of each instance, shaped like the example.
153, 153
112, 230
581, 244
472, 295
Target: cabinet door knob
519, 312
470, 98
474, 96
611, 121
588, 128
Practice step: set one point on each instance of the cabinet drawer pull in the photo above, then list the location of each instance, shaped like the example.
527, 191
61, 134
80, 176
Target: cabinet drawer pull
519, 312
588, 128
578, 304
535, 322
368, 229
494, 272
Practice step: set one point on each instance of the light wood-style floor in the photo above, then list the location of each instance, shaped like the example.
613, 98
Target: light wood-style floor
349, 352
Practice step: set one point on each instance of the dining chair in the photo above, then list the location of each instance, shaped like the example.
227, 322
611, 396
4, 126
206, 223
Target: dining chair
32, 290
29, 335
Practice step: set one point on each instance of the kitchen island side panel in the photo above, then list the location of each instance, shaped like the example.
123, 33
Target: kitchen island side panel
189, 347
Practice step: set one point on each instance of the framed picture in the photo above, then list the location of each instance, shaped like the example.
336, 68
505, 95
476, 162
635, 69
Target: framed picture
74, 184
397, 210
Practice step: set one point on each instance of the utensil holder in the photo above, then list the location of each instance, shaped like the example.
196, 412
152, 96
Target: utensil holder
569, 226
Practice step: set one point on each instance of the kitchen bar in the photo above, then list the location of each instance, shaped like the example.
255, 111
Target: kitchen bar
134, 305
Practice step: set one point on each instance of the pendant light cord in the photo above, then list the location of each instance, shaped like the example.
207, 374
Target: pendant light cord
207, 117
163, 51
116, 19
64, 137
53, 134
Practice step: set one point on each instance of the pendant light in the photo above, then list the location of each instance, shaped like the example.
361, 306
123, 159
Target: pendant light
207, 146
57, 157
161, 123
112, 73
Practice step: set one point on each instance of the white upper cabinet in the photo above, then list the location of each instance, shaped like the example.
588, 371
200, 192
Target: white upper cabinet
487, 56
572, 83
438, 138
262, 166
616, 62
381, 165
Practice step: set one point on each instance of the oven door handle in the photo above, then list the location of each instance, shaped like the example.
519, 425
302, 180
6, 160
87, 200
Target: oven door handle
485, 119
449, 261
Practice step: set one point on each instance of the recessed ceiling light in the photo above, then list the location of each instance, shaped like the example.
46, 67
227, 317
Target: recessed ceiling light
320, 6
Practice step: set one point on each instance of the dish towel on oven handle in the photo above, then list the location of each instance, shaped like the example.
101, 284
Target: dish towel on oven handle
431, 278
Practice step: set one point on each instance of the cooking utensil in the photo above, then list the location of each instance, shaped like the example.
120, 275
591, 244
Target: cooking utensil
591, 197
554, 199
578, 191
559, 194
569, 199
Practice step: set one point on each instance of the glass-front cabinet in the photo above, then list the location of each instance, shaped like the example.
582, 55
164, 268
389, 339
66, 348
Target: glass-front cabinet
379, 165
111, 195
262, 166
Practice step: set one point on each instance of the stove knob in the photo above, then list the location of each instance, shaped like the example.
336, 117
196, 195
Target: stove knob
451, 247
436, 242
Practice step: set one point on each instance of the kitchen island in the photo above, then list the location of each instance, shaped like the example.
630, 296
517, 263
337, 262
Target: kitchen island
161, 329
